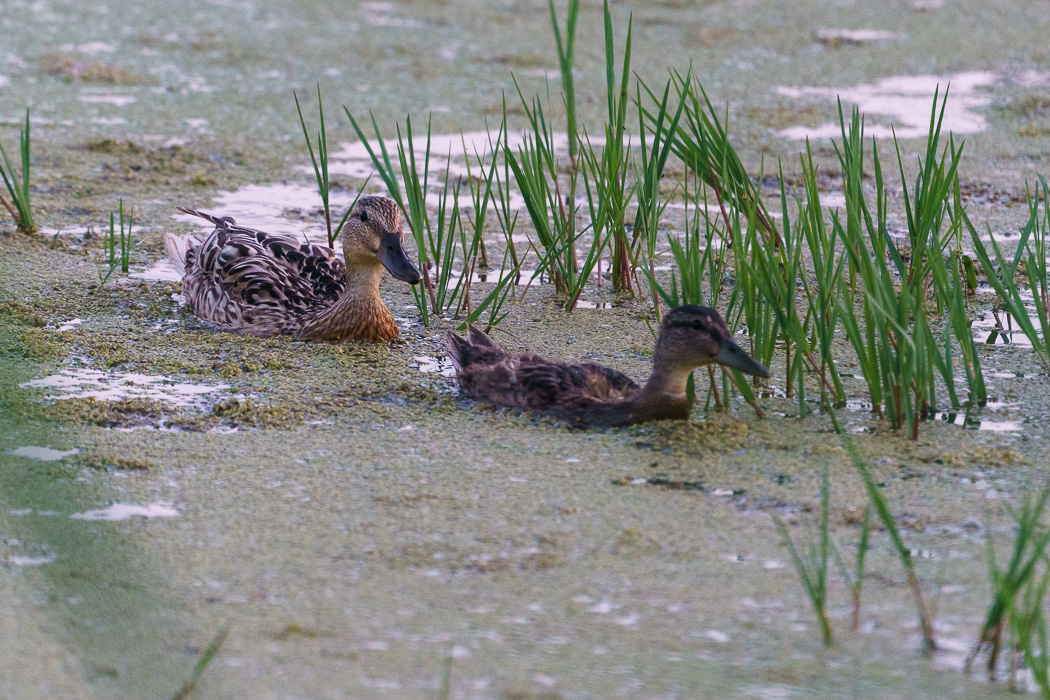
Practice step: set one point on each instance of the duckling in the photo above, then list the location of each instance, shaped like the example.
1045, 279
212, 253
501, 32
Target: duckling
592, 395
266, 284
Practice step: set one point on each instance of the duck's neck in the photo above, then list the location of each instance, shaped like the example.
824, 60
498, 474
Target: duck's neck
358, 314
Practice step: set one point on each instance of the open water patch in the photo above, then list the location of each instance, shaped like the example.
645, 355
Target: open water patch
41, 454
124, 511
435, 365
15, 552
105, 386
906, 101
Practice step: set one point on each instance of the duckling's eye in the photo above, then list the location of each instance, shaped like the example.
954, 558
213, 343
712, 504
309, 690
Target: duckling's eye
698, 325
364, 216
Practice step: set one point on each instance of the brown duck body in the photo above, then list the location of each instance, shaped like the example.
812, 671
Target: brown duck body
589, 394
265, 284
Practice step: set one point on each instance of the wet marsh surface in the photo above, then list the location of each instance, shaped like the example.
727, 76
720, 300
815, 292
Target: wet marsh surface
342, 510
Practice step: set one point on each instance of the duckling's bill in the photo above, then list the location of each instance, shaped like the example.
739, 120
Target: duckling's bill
733, 356
395, 260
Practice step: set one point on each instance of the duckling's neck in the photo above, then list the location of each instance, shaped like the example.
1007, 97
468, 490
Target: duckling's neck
664, 397
670, 374
358, 314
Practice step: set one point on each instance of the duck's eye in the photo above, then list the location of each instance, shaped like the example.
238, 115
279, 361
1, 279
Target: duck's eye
364, 216
698, 325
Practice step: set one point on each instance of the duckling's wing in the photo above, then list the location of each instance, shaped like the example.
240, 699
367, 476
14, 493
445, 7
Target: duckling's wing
240, 275
551, 385
616, 382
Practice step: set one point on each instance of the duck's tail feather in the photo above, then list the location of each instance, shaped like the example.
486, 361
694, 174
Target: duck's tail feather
457, 350
479, 338
178, 248
222, 221
476, 348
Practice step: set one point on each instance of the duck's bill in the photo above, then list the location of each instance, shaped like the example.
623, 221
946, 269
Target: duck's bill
395, 260
733, 356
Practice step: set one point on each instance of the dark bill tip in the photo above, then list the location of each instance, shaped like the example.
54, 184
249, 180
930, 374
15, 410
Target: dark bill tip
395, 260
733, 356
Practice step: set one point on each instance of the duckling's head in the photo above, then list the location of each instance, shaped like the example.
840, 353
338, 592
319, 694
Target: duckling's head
693, 336
372, 234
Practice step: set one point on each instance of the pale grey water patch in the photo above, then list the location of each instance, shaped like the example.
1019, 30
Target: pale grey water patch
992, 331
382, 14
115, 100
89, 47
103, 386
69, 325
123, 511
264, 207
1033, 78
447, 152
15, 552
42, 454
436, 365
906, 100
836, 37
992, 426
161, 271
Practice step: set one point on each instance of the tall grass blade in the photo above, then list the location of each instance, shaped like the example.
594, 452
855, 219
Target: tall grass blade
812, 567
202, 663
20, 207
882, 509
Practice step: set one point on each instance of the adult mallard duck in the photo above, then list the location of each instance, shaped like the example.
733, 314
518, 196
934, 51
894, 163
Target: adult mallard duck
592, 395
269, 284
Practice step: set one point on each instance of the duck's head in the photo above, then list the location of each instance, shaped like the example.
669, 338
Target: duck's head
372, 234
693, 336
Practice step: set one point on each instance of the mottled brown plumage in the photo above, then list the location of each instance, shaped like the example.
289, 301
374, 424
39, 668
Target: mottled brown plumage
269, 284
592, 395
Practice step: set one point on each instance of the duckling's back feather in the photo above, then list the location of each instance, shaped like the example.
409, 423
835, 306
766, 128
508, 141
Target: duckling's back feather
577, 393
243, 279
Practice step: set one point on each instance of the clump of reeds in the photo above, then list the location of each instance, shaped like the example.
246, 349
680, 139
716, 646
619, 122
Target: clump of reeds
1029, 549
20, 207
118, 245
899, 354
1028, 627
1002, 273
535, 167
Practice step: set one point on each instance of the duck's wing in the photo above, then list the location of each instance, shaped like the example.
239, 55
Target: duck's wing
239, 273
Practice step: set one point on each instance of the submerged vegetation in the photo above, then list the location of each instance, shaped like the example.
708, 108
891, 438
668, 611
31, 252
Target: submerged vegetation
1017, 594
